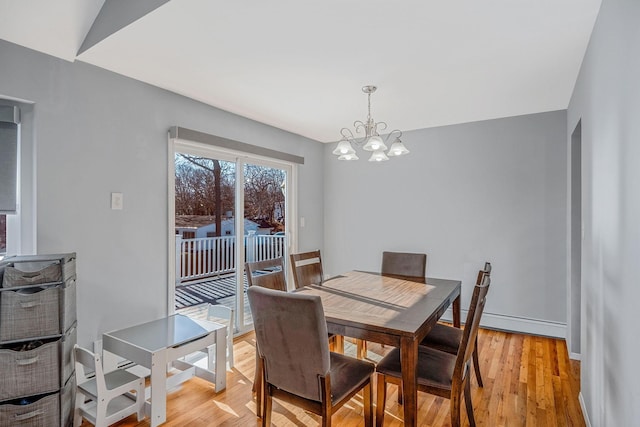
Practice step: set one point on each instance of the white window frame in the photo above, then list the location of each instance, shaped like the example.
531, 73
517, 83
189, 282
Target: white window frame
21, 227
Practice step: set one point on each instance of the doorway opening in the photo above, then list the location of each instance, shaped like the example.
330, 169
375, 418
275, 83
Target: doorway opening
228, 210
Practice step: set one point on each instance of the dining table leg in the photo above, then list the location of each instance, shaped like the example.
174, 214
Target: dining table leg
408, 365
456, 312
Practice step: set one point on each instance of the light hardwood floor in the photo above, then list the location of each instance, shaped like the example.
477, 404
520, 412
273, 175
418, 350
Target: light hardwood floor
529, 381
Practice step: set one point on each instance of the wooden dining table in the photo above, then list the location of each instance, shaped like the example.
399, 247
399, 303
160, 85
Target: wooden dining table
388, 310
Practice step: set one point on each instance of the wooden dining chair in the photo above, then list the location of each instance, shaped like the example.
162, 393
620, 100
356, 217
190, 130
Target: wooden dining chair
402, 265
411, 266
307, 269
440, 373
448, 338
297, 365
267, 274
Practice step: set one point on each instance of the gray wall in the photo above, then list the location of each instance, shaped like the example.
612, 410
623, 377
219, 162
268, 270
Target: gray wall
607, 101
95, 133
492, 190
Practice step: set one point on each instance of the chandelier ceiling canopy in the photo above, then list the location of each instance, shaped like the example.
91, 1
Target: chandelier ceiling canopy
371, 140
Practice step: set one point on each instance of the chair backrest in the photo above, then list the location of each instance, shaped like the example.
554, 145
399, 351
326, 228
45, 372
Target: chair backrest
404, 264
267, 274
484, 272
219, 311
92, 361
291, 332
307, 269
470, 331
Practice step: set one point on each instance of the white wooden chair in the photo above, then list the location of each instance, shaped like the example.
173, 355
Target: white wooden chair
106, 398
216, 313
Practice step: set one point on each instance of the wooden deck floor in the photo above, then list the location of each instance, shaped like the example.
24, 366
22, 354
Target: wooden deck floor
529, 382
206, 291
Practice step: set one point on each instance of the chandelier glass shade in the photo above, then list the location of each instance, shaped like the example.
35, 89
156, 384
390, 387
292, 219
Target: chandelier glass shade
371, 140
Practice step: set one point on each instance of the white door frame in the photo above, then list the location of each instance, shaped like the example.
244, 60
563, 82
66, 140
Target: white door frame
182, 146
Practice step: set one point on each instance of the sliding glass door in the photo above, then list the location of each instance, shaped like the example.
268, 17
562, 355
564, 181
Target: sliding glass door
227, 210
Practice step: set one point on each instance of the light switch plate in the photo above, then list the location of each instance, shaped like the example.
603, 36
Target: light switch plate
117, 201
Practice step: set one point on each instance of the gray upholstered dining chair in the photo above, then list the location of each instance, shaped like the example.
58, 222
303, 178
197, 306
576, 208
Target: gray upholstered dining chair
268, 274
448, 338
404, 264
298, 367
440, 373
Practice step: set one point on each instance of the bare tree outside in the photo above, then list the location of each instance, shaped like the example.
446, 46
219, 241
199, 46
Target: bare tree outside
263, 194
206, 187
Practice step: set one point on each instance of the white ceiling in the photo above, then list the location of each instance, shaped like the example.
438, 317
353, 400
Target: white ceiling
300, 65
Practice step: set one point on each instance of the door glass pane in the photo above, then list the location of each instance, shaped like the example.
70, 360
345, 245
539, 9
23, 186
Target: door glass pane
265, 216
206, 240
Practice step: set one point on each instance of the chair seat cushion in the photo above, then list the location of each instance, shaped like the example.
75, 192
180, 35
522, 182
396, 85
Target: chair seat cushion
443, 337
435, 368
348, 374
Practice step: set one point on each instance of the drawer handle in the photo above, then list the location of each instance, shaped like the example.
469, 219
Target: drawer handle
29, 304
30, 361
22, 417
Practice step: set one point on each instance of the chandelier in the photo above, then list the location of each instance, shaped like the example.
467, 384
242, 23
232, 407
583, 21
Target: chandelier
372, 140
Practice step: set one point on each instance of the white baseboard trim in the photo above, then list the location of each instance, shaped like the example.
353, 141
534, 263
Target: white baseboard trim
517, 324
585, 415
575, 356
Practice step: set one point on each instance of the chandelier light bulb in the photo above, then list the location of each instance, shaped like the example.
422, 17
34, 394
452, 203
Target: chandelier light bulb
348, 157
378, 156
397, 149
343, 148
374, 143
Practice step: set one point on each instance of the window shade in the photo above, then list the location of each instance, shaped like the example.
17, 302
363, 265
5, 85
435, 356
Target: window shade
9, 120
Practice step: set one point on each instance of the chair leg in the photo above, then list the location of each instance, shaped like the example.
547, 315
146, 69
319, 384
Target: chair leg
455, 406
368, 405
468, 403
476, 364
77, 417
336, 344
140, 400
381, 399
259, 388
101, 413
230, 351
268, 403
255, 376
361, 349
326, 420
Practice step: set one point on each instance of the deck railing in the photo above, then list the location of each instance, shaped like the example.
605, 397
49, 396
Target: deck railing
204, 257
